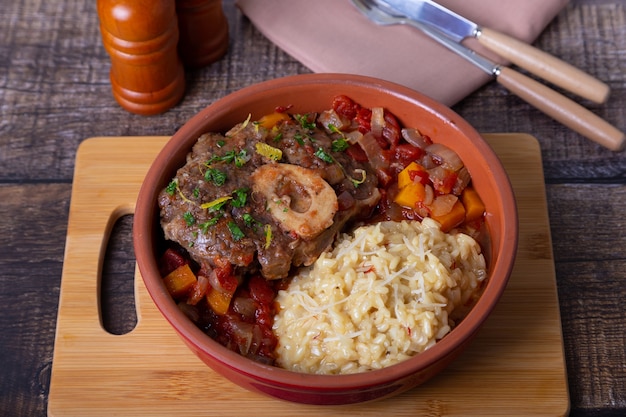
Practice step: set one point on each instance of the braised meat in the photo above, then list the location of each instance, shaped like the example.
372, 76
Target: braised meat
263, 198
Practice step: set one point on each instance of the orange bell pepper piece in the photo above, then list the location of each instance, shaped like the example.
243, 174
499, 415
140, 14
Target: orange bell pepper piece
219, 301
270, 120
404, 177
453, 218
410, 195
474, 206
180, 281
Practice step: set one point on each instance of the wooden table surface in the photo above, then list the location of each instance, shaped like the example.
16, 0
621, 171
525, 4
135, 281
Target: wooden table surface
55, 92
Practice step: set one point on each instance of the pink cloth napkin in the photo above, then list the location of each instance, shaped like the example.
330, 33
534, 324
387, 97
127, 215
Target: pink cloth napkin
333, 36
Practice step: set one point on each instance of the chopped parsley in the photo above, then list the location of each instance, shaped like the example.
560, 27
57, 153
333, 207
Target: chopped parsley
304, 121
239, 158
281, 203
237, 199
240, 195
216, 158
189, 219
299, 138
235, 231
172, 186
339, 145
334, 129
324, 156
212, 222
215, 176
250, 221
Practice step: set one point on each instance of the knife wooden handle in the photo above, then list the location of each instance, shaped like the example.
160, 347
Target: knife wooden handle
562, 109
544, 65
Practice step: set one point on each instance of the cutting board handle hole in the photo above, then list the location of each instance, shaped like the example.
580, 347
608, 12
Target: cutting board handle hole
117, 288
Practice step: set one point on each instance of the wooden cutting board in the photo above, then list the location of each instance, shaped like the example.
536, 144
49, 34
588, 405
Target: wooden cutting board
516, 365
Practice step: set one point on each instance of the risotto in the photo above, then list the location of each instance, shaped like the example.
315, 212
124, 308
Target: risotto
385, 293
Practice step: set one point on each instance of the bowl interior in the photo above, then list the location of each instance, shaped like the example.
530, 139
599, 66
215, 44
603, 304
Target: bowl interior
314, 92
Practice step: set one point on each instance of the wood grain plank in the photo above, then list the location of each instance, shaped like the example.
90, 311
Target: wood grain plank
592, 287
30, 271
594, 330
587, 220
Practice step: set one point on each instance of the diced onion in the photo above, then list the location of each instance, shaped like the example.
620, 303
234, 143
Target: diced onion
442, 204
429, 195
415, 138
372, 149
463, 178
215, 282
438, 174
244, 306
353, 136
199, 290
377, 121
445, 156
243, 333
330, 118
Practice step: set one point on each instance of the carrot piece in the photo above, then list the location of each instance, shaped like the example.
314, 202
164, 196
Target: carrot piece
270, 120
474, 206
404, 177
453, 218
219, 301
410, 195
180, 281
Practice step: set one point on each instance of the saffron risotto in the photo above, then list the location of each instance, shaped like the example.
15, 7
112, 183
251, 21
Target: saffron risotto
386, 292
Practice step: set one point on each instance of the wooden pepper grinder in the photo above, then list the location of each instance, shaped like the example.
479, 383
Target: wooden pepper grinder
141, 37
203, 30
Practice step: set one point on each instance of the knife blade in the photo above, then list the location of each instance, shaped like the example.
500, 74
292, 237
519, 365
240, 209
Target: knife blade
540, 63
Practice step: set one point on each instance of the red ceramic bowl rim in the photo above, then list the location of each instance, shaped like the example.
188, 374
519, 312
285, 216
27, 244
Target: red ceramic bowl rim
143, 233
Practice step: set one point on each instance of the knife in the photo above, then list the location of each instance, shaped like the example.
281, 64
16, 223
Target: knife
552, 103
517, 52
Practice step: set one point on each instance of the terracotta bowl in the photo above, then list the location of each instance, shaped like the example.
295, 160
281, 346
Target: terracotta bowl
314, 92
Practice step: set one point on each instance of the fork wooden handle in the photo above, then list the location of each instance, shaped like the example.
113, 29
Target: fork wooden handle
562, 109
544, 65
